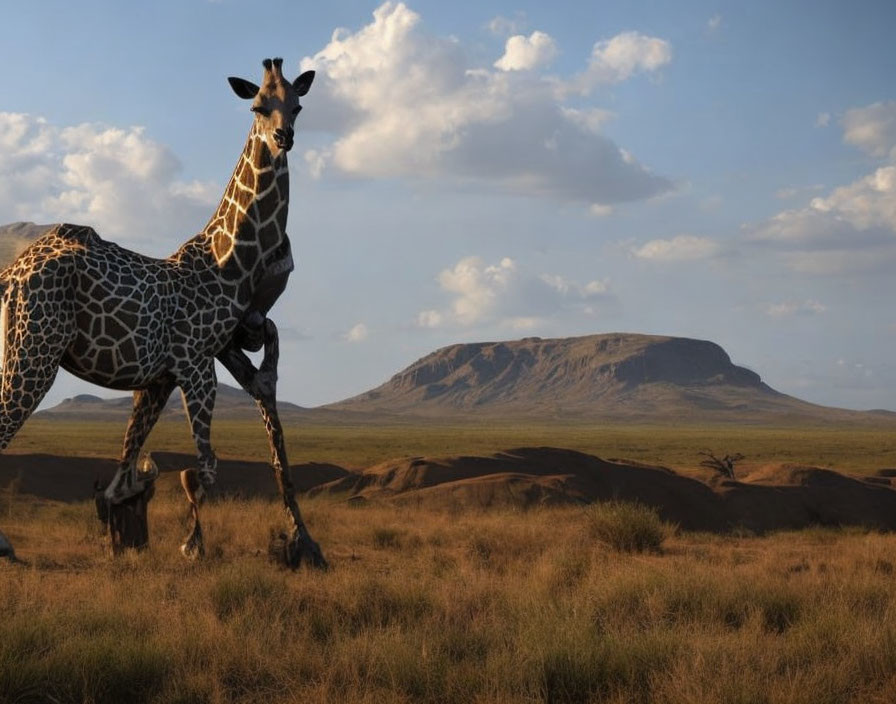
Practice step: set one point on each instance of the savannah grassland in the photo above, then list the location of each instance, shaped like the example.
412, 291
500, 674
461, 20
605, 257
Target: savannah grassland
447, 605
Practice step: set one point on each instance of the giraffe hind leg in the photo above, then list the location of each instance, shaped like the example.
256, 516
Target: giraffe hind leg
34, 338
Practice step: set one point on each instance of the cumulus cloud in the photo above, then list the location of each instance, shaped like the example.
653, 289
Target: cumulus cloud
618, 59
503, 26
864, 212
506, 295
713, 23
525, 53
357, 333
591, 119
117, 180
679, 248
404, 104
791, 308
600, 211
794, 191
853, 227
872, 129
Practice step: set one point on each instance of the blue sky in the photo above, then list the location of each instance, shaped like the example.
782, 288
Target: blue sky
494, 170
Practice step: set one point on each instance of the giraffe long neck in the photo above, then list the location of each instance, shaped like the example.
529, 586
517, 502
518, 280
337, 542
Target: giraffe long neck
249, 225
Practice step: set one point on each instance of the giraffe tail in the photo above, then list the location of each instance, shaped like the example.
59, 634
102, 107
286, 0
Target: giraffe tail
5, 288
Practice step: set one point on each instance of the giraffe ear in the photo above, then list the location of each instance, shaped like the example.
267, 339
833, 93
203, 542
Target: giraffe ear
243, 88
303, 82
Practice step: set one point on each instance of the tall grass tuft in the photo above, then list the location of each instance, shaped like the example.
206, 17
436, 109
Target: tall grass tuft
627, 527
241, 587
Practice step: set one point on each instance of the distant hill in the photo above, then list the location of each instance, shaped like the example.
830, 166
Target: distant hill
616, 376
231, 402
14, 238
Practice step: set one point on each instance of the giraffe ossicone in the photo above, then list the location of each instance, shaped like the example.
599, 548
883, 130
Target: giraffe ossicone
127, 321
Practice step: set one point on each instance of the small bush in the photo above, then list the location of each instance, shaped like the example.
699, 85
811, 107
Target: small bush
384, 538
627, 527
480, 550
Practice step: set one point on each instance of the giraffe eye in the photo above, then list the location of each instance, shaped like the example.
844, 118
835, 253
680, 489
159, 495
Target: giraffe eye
261, 110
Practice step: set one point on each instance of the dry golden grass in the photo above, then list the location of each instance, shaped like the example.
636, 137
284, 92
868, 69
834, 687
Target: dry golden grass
442, 606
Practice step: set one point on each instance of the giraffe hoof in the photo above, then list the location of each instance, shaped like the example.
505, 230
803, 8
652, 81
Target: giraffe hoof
7, 551
148, 470
128, 485
192, 550
298, 551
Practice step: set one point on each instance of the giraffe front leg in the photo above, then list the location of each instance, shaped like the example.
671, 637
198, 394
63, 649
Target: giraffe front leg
300, 547
261, 384
199, 399
194, 547
148, 406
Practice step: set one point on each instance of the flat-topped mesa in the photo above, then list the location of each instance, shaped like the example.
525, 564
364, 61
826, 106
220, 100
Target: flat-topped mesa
683, 361
614, 376
626, 359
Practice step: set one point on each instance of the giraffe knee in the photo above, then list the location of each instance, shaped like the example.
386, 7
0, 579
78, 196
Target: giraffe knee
208, 471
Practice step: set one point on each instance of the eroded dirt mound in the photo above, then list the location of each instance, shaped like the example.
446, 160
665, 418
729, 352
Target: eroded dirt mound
776, 498
530, 476
773, 497
71, 478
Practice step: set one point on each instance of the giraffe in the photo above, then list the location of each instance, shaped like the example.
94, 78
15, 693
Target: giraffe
126, 321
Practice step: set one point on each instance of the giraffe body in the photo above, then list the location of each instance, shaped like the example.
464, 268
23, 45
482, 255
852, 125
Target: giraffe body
127, 321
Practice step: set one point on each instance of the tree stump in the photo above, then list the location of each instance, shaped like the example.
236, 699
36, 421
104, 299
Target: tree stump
126, 522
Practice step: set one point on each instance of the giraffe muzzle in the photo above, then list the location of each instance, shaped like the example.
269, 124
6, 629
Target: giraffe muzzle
284, 138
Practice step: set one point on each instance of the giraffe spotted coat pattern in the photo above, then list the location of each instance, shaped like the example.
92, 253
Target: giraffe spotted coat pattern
127, 321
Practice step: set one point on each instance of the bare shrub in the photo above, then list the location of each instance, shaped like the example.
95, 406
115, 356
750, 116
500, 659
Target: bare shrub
723, 465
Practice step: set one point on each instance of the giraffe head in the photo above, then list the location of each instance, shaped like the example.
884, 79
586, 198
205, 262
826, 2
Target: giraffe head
275, 103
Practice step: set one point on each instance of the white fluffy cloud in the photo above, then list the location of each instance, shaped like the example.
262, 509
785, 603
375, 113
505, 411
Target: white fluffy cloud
503, 26
790, 308
508, 296
117, 180
872, 129
404, 104
679, 248
618, 59
525, 53
852, 228
357, 333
